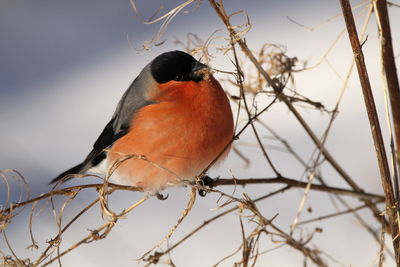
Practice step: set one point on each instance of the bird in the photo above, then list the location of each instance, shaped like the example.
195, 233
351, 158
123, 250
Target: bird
176, 115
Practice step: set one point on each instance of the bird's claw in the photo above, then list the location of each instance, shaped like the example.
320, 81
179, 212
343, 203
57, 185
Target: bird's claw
161, 196
202, 193
206, 181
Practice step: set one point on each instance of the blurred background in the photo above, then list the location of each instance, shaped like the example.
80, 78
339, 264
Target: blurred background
64, 66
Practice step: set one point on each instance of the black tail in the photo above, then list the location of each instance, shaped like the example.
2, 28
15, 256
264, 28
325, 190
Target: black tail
94, 158
74, 170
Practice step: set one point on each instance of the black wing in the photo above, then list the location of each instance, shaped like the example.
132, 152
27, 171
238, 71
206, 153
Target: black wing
132, 100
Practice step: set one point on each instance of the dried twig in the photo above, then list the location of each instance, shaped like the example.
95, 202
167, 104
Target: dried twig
218, 7
158, 255
189, 206
273, 68
333, 215
382, 247
391, 206
298, 184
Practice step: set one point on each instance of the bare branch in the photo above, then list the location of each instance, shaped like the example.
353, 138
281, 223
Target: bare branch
391, 205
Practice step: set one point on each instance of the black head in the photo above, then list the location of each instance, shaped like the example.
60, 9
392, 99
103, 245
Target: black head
176, 66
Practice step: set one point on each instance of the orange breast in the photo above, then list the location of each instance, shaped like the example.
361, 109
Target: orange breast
188, 127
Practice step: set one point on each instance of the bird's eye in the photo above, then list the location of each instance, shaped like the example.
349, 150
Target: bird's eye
178, 77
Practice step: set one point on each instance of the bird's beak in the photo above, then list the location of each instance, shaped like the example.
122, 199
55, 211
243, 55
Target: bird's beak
201, 70
196, 66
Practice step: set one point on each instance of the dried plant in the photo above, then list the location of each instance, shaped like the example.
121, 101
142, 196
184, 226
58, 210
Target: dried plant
260, 79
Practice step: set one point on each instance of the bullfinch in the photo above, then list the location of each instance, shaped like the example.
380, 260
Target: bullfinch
176, 114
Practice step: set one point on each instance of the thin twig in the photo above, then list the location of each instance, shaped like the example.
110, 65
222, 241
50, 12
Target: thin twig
98, 234
189, 206
208, 221
298, 184
55, 240
300, 246
243, 97
71, 191
382, 246
333, 215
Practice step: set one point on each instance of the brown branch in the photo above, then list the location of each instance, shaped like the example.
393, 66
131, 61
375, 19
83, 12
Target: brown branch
263, 222
312, 254
298, 184
242, 95
99, 233
333, 215
278, 88
389, 67
391, 207
95, 235
362, 222
55, 241
276, 180
392, 82
156, 256
249, 121
70, 191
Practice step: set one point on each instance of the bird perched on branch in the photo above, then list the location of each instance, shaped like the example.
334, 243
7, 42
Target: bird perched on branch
176, 114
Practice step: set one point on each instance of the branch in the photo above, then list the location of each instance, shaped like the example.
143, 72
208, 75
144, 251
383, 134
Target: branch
157, 255
219, 9
352, 210
298, 184
70, 191
389, 66
391, 205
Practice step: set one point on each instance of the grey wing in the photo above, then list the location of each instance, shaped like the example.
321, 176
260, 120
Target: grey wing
132, 100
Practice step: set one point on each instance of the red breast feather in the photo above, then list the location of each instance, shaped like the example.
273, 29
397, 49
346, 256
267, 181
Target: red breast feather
186, 130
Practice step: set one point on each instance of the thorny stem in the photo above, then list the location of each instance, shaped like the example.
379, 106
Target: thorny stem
391, 207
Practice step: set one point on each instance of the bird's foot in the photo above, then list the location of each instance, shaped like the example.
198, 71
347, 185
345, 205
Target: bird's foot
161, 196
206, 181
